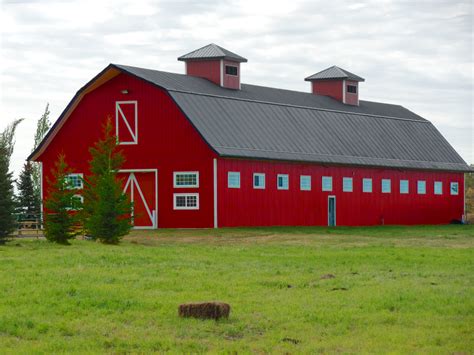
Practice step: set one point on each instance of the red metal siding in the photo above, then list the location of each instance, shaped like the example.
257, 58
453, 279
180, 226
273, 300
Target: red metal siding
351, 98
166, 141
251, 207
208, 69
232, 81
332, 88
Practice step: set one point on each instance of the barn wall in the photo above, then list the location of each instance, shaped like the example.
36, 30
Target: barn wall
208, 69
332, 88
166, 141
251, 207
231, 81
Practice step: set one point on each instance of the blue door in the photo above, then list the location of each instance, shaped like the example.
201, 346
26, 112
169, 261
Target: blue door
331, 211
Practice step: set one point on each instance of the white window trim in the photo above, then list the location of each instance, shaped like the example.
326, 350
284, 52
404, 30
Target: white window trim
185, 207
228, 179
408, 187
352, 184
322, 183
310, 183
253, 181
371, 185
451, 186
81, 175
440, 183
418, 187
175, 173
119, 112
389, 186
288, 180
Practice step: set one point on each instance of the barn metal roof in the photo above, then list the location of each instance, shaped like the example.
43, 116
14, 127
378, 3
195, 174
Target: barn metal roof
334, 72
267, 123
212, 51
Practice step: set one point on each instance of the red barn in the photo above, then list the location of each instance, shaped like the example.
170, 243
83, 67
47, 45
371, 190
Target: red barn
204, 150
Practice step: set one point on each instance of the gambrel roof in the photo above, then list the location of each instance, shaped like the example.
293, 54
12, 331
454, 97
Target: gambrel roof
266, 123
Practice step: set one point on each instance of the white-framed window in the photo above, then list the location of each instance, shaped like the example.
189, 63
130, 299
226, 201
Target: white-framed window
126, 122
233, 180
404, 187
76, 202
258, 181
454, 188
438, 188
421, 187
75, 181
366, 185
347, 184
186, 201
326, 183
386, 186
305, 183
188, 179
282, 182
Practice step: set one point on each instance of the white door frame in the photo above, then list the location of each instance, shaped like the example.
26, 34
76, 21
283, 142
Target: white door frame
155, 212
335, 213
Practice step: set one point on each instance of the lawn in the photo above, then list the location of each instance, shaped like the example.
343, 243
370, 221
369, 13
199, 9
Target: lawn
396, 289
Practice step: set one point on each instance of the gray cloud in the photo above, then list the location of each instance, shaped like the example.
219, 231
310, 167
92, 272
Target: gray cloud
417, 54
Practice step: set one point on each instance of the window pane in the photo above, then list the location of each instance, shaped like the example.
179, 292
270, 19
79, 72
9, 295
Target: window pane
259, 180
347, 184
180, 201
230, 70
438, 188
403, 186
421, 187
352, 89
305, 183
233, 180
327, 183
386, 186
282, 182
186, 179
367, 185
454, 188
191, 201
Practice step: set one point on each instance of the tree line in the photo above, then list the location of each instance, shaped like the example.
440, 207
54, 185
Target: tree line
104, 214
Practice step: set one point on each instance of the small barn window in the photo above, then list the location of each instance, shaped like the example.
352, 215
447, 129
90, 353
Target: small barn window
186, 179
258, 181
421, 187
386, 186
404, 186
454, 188
231, 70
352, 89
305, 183
233, 180
366, 185
76, 203
438, 188
75, 181
282, 182
186, 201
327, 183
347, 184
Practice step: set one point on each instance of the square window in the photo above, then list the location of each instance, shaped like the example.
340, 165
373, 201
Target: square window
258, 181
231, 70
421, 187
282, 182
233, 180
186, 201
366, 185
454, 188
75, 181
347, 184
188, 179
438, 188
305, 183
404, 186
352, 89
327, 183
386, 186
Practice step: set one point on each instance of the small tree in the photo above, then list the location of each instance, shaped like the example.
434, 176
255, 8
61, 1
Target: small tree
7, 206
59, 222
42, 127
106, 207
28, 203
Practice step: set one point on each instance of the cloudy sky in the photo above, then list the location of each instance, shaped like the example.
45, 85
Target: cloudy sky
415, 53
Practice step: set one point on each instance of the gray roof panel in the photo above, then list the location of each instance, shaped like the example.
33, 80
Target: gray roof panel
212, 51
332, 73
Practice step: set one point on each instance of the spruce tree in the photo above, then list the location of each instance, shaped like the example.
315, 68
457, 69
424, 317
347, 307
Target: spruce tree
106, 207
27, 202
60, 222
7, 206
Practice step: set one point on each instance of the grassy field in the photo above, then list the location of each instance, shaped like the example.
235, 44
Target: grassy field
396, 289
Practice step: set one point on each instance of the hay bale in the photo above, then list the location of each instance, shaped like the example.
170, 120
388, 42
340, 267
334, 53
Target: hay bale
204, 310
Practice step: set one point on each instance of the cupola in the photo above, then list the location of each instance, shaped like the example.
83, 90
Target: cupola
216, 64
336, 83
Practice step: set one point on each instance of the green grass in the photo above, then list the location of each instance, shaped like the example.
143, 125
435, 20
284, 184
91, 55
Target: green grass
396, 289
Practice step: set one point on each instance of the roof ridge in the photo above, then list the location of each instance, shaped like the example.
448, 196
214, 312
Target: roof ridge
297, 106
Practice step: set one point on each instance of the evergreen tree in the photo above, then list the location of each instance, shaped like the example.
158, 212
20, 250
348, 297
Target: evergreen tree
106, 207
28, 203
7, 139
42, 127
59, 222
7, 206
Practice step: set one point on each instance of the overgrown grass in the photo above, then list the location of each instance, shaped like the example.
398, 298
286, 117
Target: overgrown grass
396, 289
